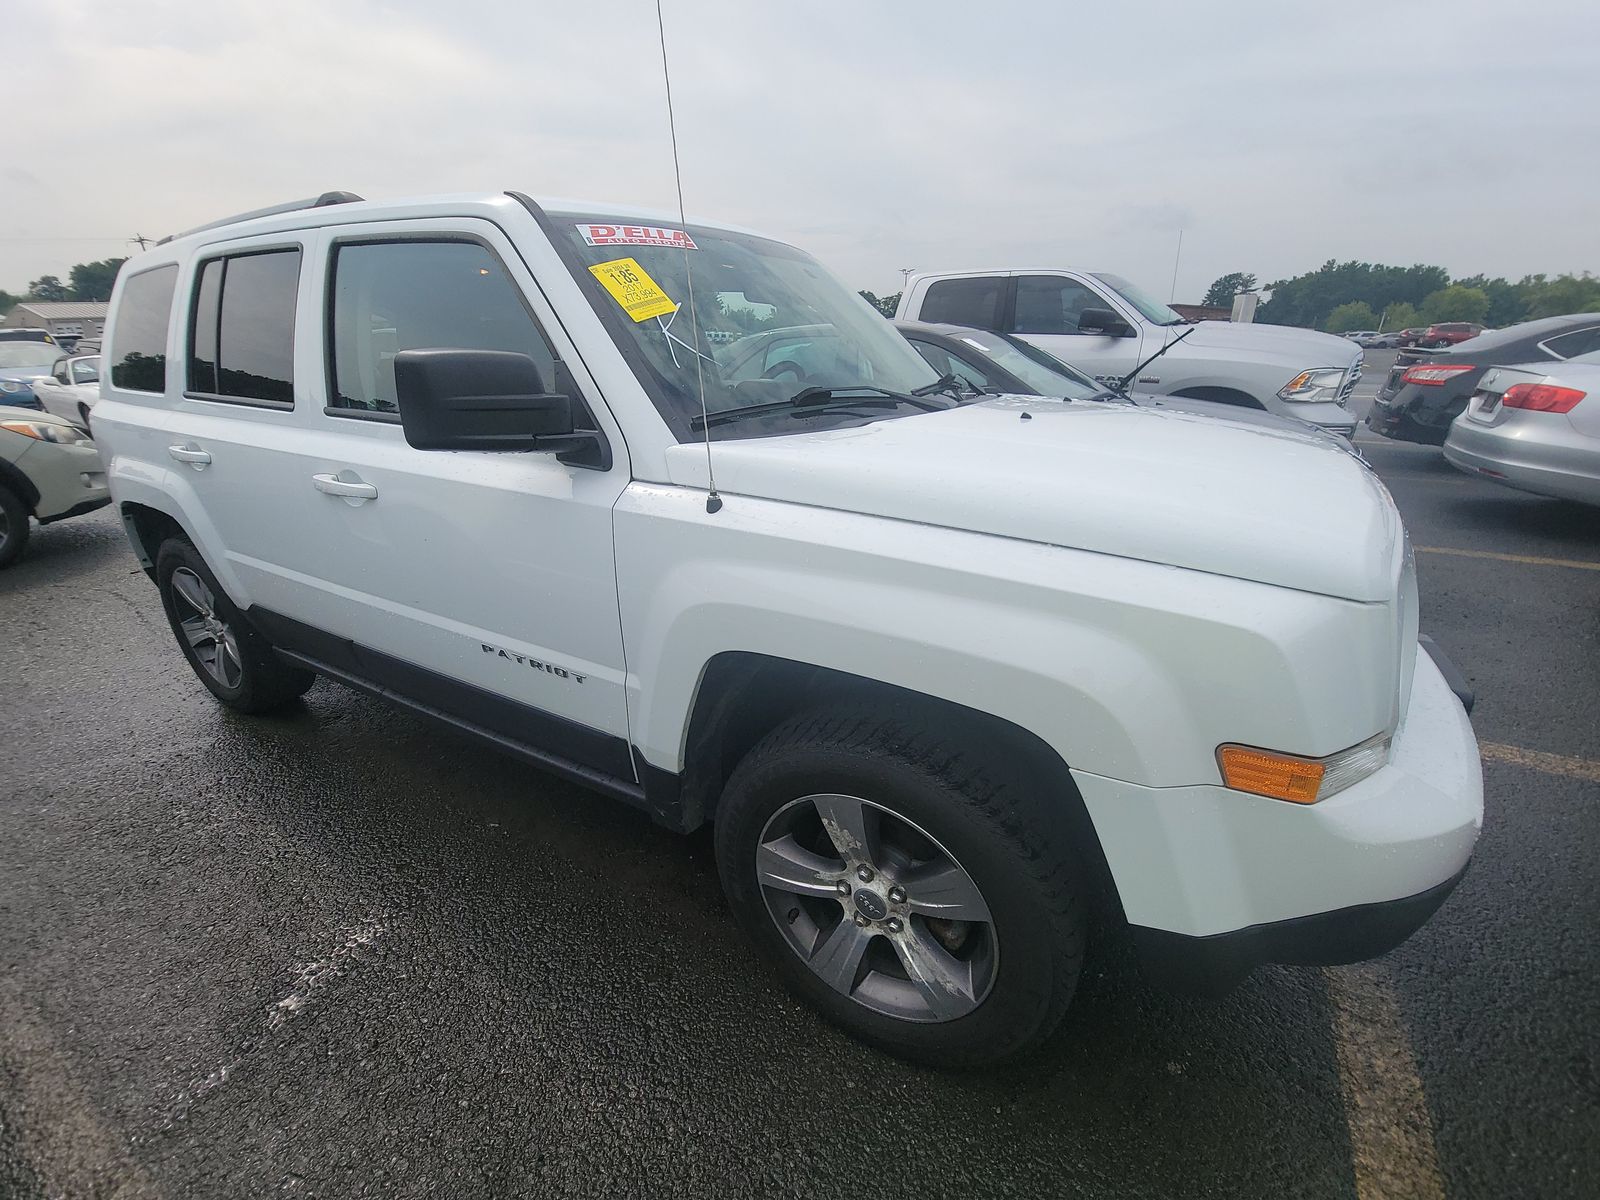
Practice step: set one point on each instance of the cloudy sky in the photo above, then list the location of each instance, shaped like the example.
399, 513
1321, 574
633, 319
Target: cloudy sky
878, 135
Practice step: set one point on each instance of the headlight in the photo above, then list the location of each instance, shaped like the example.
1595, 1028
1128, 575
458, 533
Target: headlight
1316, 383
1300, 780
11, 385
63, 435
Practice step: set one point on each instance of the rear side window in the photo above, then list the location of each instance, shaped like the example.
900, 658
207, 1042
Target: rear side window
1570, 345
392, 296
139, 351
241, 328
973, 302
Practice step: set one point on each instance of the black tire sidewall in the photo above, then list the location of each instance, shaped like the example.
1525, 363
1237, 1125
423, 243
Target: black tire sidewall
1039, 946
18, 528
264, 681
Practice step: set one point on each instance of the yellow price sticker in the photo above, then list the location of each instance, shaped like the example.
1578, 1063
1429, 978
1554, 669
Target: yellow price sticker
630, 285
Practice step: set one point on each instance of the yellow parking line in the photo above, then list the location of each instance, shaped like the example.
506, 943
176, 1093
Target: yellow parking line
1392, 1149
1538, 760
1530, 559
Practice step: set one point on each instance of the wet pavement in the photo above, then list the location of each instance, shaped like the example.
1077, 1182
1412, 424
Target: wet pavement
340, 952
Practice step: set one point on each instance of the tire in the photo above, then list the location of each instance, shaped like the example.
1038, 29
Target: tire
83, 415
949, 803
14, 527
234, 661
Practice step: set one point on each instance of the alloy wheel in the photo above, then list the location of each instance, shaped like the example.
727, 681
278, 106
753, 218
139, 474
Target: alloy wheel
877, 908
211, 640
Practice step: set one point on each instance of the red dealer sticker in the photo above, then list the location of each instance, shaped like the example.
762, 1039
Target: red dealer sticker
636, 235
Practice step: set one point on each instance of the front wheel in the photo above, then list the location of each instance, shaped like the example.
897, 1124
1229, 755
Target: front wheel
915, 891
13, 526
234, 661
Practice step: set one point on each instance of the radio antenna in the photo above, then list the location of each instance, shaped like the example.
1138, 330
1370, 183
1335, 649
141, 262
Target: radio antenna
713, 500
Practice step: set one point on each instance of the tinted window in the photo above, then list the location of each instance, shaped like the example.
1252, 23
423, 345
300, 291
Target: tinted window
203, 329
139, 351
86, 370
394, 296
1051, 304
1570, 345
241, 328
969, 371
964, 302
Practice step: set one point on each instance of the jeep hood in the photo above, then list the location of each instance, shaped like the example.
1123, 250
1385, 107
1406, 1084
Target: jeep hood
1300, 347
1272, 504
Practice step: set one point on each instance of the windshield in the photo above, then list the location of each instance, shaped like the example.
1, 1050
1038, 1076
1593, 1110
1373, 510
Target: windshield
1153, 310
28, 354
1044, 373
772, 323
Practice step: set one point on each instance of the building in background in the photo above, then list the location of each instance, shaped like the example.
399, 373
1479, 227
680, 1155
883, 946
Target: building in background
65, 320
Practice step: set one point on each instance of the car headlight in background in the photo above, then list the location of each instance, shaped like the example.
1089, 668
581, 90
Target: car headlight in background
1316, 383
12, 385
62, 435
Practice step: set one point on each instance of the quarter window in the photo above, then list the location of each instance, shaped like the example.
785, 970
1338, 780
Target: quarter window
139, 351
974, 301
412, 295
1051, 304
1570, 345
241, 332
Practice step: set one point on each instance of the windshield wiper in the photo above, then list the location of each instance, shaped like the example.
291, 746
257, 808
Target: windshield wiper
816, 399
951, 385
1122, 384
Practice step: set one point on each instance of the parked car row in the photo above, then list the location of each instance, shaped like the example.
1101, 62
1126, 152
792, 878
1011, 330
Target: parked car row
1108, 329
1425, 392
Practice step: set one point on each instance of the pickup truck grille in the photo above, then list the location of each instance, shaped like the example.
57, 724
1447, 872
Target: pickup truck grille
1349, 384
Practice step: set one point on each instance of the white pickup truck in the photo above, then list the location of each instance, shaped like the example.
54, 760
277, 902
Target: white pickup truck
669, 511
1105, 326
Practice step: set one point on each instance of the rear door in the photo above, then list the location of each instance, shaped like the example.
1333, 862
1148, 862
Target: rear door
480, 583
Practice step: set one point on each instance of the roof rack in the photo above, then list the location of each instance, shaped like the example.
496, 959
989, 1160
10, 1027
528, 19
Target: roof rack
322, 201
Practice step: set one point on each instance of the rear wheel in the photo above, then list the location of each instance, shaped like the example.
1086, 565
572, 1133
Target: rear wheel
913, 890
234, 661
13, 526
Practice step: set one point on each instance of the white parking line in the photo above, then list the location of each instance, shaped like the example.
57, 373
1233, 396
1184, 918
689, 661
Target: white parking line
1392, 1149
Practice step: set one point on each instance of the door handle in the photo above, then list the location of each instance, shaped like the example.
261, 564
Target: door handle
334, 486
190, 454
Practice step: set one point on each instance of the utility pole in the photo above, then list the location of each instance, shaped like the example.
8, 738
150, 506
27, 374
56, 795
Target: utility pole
141, 239
905, 274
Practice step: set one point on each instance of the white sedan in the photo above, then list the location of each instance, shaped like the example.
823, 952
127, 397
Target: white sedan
72, 388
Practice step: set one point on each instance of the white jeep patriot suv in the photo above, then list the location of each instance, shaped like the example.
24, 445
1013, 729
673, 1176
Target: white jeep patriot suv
666, 509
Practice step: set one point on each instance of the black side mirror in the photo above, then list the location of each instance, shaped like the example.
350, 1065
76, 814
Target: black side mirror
1103, 321
478, 400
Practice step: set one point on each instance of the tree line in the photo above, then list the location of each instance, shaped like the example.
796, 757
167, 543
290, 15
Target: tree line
1339, 297
85, 281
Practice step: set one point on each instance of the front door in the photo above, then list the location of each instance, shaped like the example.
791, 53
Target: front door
480, 583
1046, 312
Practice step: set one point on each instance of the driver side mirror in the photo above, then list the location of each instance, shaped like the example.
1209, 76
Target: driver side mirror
1103, 321
488, 400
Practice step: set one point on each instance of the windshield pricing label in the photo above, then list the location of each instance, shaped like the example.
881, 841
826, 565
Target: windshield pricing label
630, 285
636, 235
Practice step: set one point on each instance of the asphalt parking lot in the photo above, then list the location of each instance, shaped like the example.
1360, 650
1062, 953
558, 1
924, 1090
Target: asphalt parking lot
339, 952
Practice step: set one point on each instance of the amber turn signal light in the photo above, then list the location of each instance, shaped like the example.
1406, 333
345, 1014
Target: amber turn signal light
1263, 773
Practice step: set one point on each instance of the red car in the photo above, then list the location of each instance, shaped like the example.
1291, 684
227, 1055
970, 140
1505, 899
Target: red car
1448, 333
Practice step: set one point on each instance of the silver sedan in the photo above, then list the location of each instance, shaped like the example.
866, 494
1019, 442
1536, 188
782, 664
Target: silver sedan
1534, 427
